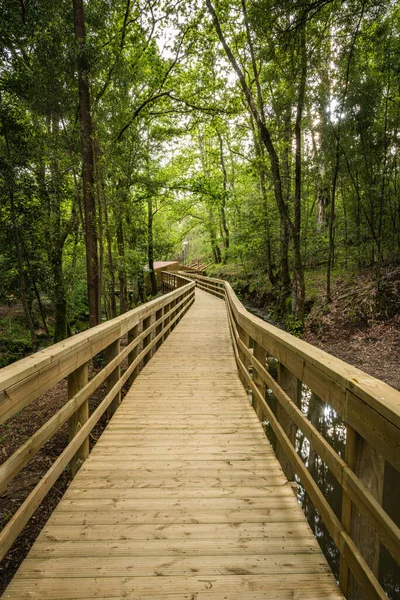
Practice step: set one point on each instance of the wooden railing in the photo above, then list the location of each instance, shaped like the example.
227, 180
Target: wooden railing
370, 410
20, 383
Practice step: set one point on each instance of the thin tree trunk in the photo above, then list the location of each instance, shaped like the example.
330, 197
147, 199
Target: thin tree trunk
121, 267
36, 290
337, 165
56, 239
61, 328
20, 265
225, 229
298, 285
99, 186
150, 246
210, 225
284, 231
263, 188
213, 238
113, 302
92, 266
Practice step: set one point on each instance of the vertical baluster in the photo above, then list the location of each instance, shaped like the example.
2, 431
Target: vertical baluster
369, 466
166, 320
147, 338
159, 327
132, 334
76, 381
260, 354
173, 304
109, 353
292, 386
244, 336
347, 507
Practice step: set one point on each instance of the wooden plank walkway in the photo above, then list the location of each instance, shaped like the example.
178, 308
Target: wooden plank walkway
182, 497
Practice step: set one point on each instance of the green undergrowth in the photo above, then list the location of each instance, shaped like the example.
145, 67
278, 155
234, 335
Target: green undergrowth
254, 289
359, 299
15, 341
250, 285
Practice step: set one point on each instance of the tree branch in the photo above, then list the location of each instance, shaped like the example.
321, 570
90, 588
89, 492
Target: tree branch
138, 111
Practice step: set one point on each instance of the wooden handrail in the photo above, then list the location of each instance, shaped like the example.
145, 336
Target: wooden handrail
369, 407
41, 371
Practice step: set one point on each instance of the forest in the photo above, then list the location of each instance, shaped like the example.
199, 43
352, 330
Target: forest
261, 136
258, 138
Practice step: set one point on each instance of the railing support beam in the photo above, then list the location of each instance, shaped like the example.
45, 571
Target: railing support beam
76, 381
147, 339
109, 353
132, 334
369, 466
292, 386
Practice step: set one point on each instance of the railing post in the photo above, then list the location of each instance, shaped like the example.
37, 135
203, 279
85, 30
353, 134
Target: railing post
132, 334
347, 507
76, 381
166, 321
146, 339
109, 353
260, 354
244, 336
292, 386
172, 305
369, 466
159, 327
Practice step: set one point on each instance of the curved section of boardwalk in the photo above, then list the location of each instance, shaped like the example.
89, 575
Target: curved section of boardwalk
182, 497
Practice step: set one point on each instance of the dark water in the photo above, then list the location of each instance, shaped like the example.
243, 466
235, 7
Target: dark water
333, 429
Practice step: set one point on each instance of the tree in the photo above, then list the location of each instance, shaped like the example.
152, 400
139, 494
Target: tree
85, 115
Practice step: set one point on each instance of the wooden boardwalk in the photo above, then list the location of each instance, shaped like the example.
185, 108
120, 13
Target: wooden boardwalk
182, 497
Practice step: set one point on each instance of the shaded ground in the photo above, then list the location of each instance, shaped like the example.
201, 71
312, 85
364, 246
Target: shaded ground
375, 351
362, 324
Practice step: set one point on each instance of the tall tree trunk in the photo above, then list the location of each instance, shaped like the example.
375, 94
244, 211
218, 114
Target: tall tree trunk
225, 229
99, 191
284, 230
113, 303
61, 328
56, 238
337, 163
150, 246
92, 266
35, 288
20, 264
213, 239
298, 285
121, 268
331, 225
210, 224
261, 168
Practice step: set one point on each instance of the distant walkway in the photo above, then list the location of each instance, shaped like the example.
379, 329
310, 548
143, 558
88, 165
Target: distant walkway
182, 497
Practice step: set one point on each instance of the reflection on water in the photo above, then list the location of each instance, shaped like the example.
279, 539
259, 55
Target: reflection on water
333, 429
331, 426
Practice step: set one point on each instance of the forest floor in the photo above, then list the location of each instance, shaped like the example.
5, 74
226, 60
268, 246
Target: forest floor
362, 324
